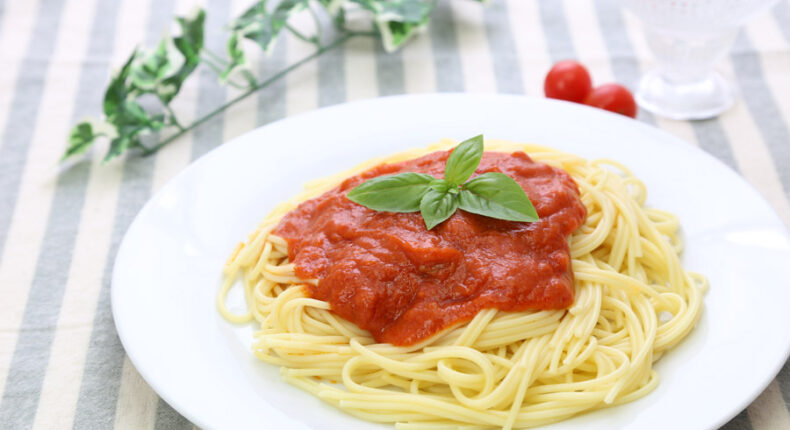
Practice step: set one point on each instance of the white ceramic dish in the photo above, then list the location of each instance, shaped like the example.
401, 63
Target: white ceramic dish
169, 265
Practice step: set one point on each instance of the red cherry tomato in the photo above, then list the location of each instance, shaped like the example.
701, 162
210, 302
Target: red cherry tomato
568, 80
614, 98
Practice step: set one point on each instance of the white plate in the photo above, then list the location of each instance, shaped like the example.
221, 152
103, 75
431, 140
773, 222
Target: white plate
168, 267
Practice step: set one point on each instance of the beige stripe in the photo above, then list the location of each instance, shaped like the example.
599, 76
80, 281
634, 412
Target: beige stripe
473, 48
243, 116
173, 157
137, 402
582, 19
301, 93
751, 154
769, 411
18, 21
636, 35
533, 53
360, 67
419, 74
774, 50
61, 385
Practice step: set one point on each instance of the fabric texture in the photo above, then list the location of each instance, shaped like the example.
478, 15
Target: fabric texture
61, 362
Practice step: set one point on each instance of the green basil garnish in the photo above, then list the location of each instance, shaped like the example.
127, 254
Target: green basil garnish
463, 160
497, 195
392, 193
436, 207
492, 194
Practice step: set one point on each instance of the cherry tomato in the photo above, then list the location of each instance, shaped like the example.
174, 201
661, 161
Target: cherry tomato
614, 98
568, 80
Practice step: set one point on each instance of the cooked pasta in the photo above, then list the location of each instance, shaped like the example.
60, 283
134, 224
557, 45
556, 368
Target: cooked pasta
633, 302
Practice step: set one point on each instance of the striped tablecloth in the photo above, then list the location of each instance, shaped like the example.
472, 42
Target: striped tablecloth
61, 363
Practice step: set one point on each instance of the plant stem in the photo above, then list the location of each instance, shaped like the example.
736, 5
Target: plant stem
318, 33
301, 36
337, 42
215, 56
173, 118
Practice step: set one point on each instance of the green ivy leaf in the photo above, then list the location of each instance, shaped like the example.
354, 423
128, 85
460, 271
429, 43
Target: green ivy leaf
398, 20
237, 58
80, 139
499, 196
238, 62
392, 193
150, 73
190, 45
261, 26
436, 207
334, 7
118, 90
121, 144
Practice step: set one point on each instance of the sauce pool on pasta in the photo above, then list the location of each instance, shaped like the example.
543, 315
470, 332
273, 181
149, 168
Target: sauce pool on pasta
387, 273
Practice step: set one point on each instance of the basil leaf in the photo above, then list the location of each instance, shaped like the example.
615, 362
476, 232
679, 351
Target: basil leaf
436, 207
464, 160
392, 193
439, 185
499, 196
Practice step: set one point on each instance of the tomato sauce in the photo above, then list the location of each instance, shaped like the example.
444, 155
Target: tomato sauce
391, 276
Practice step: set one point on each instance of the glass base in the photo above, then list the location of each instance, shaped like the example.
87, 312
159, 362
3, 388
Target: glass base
705, 98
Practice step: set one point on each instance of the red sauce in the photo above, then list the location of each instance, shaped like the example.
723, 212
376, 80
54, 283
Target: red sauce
388, 274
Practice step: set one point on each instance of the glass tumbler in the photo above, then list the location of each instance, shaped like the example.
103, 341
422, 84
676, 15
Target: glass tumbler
687, 38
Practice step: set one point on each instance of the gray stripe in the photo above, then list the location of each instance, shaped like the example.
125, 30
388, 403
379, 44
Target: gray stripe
621, 54
28, 91
331, 77
762, 104
271, 101
507, 70
389, 71
104, 359
740, 422
168, 419
449, 74
784, 383
211, 93
2, 13
782, 15
558, 39
711, 137
28, 363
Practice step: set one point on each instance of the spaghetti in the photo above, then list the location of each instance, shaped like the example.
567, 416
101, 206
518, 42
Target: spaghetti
633, 301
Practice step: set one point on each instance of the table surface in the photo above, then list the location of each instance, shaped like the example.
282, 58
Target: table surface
61, 363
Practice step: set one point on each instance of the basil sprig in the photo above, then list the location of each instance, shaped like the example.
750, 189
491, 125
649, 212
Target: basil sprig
492, 194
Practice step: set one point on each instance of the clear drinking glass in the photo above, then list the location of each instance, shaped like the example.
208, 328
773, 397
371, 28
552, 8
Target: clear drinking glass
687, 37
